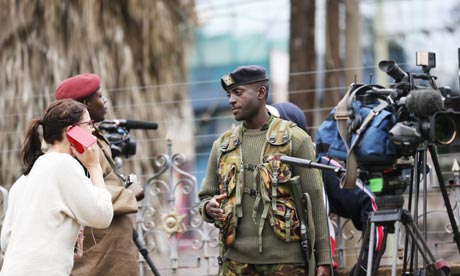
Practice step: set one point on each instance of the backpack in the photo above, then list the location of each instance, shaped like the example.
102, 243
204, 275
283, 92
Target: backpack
357, 131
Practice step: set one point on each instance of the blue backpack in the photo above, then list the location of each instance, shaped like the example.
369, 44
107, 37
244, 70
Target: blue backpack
357, 132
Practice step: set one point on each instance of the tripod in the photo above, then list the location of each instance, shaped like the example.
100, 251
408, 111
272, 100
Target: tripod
392, 217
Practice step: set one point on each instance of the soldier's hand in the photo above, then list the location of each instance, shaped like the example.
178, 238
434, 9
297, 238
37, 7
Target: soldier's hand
213, 208
138, 190
323, 270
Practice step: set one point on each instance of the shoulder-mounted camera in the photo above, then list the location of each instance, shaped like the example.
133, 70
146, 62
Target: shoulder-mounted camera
117, 133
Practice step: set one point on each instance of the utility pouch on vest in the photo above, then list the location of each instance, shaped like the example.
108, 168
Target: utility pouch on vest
228, 175
277, 198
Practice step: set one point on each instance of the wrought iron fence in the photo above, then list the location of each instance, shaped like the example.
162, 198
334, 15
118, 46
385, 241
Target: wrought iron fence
181, 243
177, 241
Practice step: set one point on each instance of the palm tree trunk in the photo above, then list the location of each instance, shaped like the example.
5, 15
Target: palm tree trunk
331, 95
302, 66
137, 47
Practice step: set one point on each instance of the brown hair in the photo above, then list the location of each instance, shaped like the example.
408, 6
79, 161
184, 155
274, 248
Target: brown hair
57, 117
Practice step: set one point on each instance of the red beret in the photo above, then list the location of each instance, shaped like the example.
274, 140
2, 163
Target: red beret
78, 87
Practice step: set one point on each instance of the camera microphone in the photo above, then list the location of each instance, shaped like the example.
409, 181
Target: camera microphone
424, 102
130, 124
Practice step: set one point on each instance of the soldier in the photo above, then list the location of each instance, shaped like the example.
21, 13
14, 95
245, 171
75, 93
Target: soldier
108, 251
245, 191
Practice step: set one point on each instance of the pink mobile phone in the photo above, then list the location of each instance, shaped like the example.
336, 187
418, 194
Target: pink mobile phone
80, 139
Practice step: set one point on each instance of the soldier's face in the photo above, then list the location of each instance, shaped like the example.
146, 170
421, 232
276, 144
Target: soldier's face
96, 106
244, 101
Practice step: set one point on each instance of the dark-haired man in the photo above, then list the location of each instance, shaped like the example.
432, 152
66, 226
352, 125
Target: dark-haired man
245, 189
108, 251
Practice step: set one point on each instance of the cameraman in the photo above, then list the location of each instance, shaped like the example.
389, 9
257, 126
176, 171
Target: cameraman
108, 251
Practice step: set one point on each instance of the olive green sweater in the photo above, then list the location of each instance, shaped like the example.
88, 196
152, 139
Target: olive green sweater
245, 248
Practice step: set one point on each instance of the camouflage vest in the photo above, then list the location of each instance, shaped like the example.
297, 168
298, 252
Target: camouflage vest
270, 184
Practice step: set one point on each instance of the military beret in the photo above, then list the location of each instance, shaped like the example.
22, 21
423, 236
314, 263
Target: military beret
243, 75
78, 87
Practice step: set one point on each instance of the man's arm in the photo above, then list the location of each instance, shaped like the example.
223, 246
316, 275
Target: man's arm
312, 184
210, 187
123, 200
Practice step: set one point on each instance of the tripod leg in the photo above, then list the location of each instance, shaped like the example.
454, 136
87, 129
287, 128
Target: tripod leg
365, 240
395, 249
439, 267
370, 253
378, 258
445, 196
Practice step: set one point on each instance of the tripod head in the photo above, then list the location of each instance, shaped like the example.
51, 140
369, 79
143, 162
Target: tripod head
389, 202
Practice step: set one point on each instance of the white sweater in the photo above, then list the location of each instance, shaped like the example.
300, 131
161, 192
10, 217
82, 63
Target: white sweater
46, 209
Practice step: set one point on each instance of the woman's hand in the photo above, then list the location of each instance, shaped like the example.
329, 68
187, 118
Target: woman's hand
90, 157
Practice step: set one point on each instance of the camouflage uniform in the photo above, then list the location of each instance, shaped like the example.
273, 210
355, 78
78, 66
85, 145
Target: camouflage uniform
233, 268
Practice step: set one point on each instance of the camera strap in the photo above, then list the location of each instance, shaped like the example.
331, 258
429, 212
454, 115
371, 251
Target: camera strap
114, 168
343, 113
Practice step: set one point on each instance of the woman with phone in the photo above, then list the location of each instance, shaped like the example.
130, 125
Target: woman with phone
56, 195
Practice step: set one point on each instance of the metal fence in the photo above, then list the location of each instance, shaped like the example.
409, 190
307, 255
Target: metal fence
176, 241
181, 243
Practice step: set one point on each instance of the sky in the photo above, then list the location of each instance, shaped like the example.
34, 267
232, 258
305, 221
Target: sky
418, 25
244, 17
423, 25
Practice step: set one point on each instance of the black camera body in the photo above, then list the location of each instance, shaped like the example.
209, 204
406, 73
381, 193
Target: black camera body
120, 140
121, 143
423, 111
117, 133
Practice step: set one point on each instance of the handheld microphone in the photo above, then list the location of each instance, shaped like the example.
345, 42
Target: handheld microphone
424, 102
310, 164
128, 124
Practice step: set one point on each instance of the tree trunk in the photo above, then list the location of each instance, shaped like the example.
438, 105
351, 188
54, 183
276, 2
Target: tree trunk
380, 43
353, 71
136, 47
331, 95
302, 67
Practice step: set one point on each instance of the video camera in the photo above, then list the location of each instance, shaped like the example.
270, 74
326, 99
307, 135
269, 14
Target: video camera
385, 134
117, 133
423, 112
